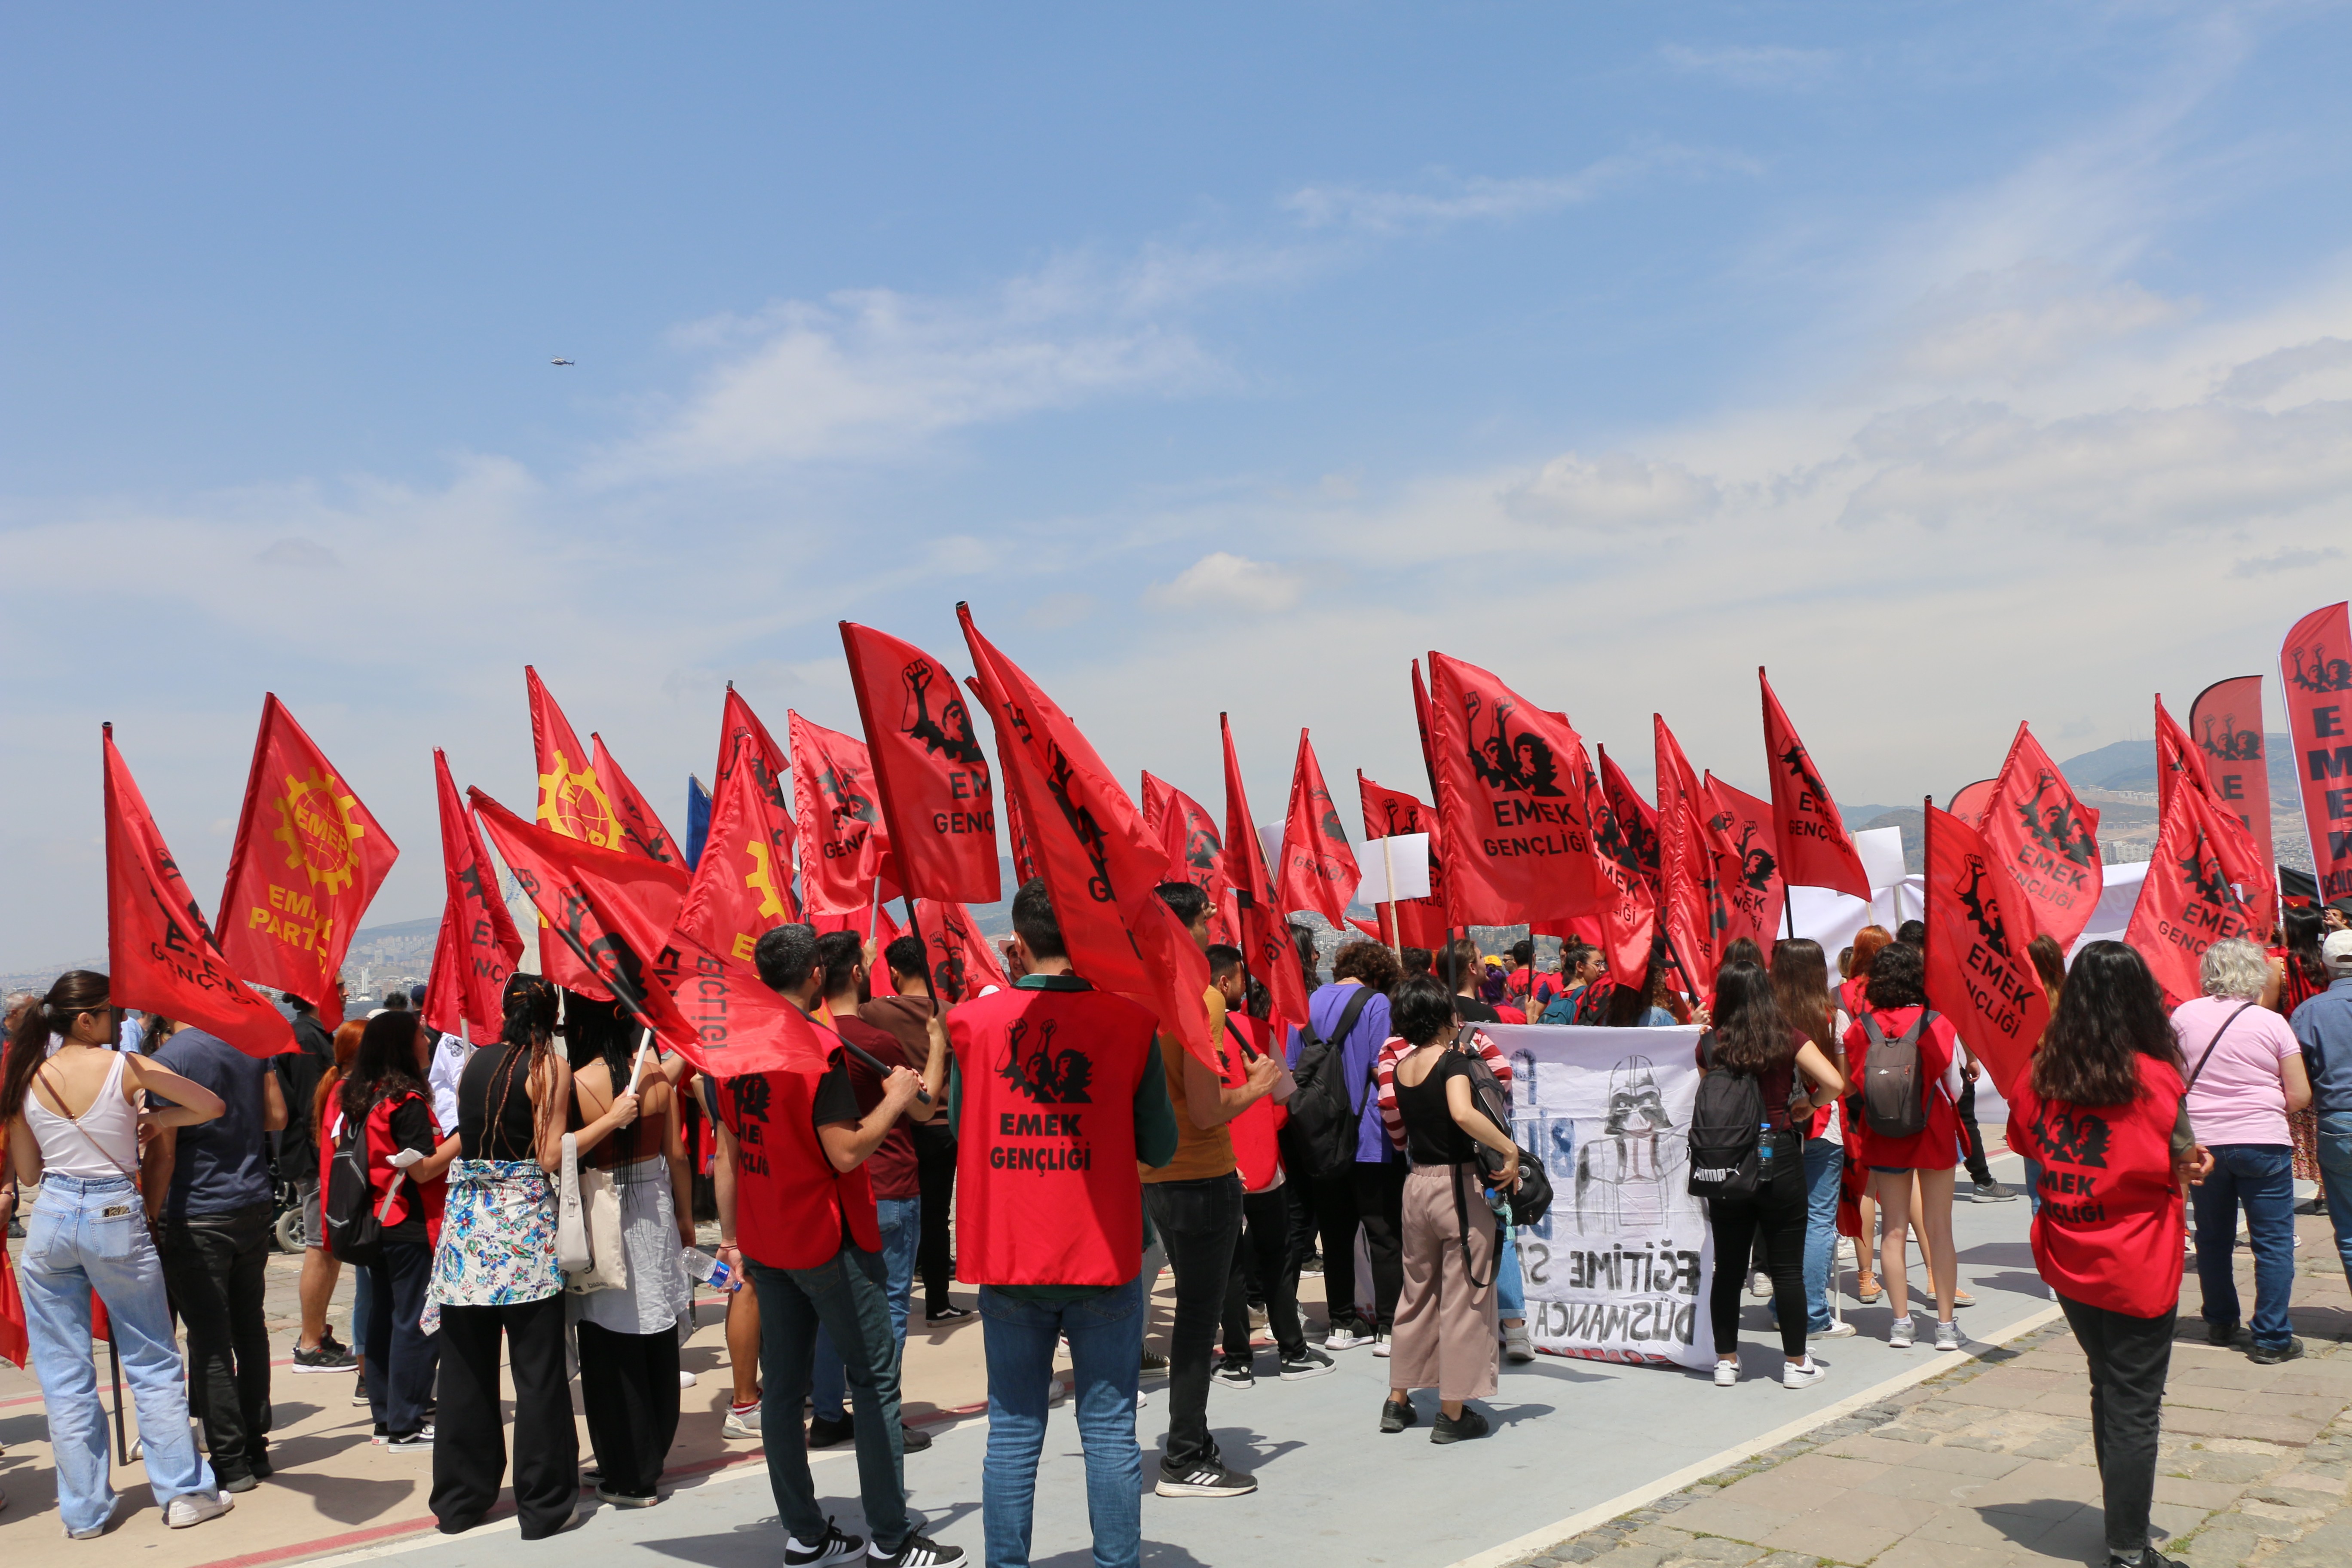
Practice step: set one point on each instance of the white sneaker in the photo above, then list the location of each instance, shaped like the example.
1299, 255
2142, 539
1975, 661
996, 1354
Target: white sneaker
1380, 1344
743, 1423
1759, 1284
1839, 1329
1899, 1334
1845, 1253
1344, 1337
1726, 1373
1803, 1373
195, 1508
1947, 1335
685, 1378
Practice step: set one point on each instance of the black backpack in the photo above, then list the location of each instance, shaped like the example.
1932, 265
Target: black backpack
1323, 1116
1894, 1093
1726, 1122
354, 1234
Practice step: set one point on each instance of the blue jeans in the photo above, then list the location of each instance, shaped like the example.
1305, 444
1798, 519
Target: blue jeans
2034, 1184
900, 1221
2262, 1177
1106, 1334
2335, 1163
87, 1236
844, 1296
1824, 1168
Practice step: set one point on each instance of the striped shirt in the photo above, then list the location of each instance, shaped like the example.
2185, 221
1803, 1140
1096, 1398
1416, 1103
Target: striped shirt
1396, 1052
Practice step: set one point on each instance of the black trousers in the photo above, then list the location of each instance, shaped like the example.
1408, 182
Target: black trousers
1776, 1217
1298, 1196
213, 1265
401, 1357
1199, 1224
469, 1449
1972, 1149
628, 1391
934, 1164
1266, 1229
1373, 1196
2128, 1360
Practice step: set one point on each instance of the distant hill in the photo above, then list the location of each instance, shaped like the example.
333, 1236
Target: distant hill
2131, 765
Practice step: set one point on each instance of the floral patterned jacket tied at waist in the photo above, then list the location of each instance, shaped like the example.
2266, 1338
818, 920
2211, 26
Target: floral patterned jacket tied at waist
498, 1237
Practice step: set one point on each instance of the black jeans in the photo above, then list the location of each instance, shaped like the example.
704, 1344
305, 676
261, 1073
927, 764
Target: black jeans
1972, 1150
2128, 1358
628, 1391
1372, 1196
469, 1446
1298, 1196
1775, 1216
848, 1297
401, 1357
1266, 1218
214, 1264
934, 1164
1199, 1224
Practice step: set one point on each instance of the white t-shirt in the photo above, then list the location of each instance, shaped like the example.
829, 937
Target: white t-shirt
2240, 1095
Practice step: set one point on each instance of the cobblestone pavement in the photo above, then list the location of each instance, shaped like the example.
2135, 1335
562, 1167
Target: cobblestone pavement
1991, 1465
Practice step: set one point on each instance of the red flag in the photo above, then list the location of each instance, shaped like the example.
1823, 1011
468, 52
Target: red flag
1626, 931
1024, 853
641, 832
308, 862
1153, 800
1689, 900
478, 945
1265, 935
2315, 668
938, 802
844, 846
1100, 865
1318, 870
160, 955
2047, 838
572, 803
16, 1344
1196, 851
2227, 722
871, 925
738, 724
1815, 851
2187, 903
743, 887
1969, 803
962, 962
1636, 820
1747, 858
613, 911
1421, 722
2179, 764
2174, 757
1510, 790
1979, 973
1389, 814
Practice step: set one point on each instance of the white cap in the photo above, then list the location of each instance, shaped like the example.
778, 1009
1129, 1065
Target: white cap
2337, 950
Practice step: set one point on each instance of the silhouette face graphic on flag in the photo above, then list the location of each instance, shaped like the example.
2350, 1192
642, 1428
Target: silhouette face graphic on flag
2056, 829
950, 734
1521, 763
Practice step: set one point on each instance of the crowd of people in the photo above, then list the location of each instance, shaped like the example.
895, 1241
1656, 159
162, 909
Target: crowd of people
532, 1201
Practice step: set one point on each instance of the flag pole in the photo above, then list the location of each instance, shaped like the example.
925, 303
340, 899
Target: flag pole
114, 1371
1387, 870
915, 930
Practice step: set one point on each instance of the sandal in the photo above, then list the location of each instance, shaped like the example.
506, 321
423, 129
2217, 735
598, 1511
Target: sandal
1865, 1288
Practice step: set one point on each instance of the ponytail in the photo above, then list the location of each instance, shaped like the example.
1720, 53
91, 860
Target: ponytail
77, 991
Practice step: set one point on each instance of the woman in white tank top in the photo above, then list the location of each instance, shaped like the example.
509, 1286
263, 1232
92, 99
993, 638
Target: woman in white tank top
73, 1127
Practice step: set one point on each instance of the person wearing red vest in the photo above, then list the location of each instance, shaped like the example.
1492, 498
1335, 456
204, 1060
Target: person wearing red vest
800, 1214
2105, 1112
1060, 1100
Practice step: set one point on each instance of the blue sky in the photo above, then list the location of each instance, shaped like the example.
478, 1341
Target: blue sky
1963, 363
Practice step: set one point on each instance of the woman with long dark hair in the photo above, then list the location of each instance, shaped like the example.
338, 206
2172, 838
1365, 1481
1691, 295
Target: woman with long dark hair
2105, 1110
1911, 1178
495, 1275
1749, 1035
73, 1127
2302, 975
1800, 985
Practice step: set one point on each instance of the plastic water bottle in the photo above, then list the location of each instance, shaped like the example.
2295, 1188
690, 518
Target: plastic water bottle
1764, 1145
707, 1269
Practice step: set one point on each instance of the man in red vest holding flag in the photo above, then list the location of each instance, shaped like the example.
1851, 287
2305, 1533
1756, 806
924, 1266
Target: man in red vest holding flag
1061, 1100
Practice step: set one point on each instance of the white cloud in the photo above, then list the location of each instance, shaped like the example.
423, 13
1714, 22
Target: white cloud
1754, 65
1221, 581
1487, 198
2260, 379
1613, 491
2016, 324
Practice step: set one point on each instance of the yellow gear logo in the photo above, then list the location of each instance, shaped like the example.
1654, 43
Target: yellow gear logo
763, 880
314, 823
573, 804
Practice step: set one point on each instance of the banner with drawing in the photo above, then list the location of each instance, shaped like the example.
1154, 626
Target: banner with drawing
1618, 1270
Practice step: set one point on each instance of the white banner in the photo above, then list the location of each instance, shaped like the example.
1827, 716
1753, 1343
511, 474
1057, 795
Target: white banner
1618, 1270
1401, 861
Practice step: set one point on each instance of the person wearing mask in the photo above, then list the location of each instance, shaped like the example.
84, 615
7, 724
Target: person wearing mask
2323, 1025
907, 1016
1749, 1035
1801, 987
893, 1168
217, 1217
2105, 1111
1352, 1013
2299, 974
1445, 1332
2246, 1075
73, 1120
1583, 966
1897, 1000
299, 1072
1195, 1204
495, 1276
798, 1220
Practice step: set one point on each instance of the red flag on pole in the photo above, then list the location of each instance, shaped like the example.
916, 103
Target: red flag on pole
1636, 819
1100, 865
1016, 830
742, 887
1196, 851
1816, 850
1690, 902
478, 945
160, 955
1421, 722
1626, 931
2187, 900
572, 803
962, 962
2226, 722
2179, 764
2048, 839
1747, 858
1265, 934
845, 845
737, 725
938, 804
308, 862
1510, 790
1319, 869
1969, 802
1390, 813
2315, 668
2174, 757
641, 832
1980, 975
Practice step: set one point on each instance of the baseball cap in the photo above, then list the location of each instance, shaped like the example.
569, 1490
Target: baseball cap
2337, 950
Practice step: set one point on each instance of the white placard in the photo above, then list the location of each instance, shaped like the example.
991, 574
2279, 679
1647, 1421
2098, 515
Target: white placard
1881, 849
1393, 868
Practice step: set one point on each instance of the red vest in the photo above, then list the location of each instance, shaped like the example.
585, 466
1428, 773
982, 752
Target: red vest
790, 1204
1254, 1130
1047, 1190
2110, 1229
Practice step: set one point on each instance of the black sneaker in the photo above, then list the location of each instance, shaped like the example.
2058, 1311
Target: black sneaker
2220, 1333
1455, 1428
947, 1314
912, 1439
1234, 1372
359, 1389
326, 1356
836, 1547
2270, 1355
2150, 1558
824, 1434
918, 1552
1397, 1415
1308, 1363
1208, 1478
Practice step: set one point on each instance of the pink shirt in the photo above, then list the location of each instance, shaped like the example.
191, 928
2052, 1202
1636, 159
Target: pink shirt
2240, 1097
